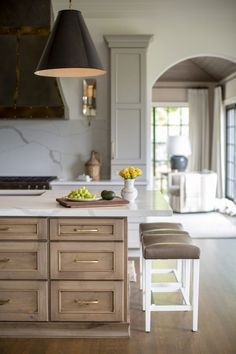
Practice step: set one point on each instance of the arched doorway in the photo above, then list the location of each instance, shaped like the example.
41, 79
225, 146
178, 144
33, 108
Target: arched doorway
170, 111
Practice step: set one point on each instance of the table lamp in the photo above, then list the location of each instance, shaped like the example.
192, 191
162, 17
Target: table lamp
179, 149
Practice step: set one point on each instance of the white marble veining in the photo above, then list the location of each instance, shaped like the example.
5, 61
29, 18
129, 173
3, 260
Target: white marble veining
105, 182
58, 148
148, 203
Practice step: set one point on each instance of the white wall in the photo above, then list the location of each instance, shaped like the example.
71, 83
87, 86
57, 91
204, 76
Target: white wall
177, 91
182, 29
230, 91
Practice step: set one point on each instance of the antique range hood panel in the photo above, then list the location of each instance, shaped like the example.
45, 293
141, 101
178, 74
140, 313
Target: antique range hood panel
24, 29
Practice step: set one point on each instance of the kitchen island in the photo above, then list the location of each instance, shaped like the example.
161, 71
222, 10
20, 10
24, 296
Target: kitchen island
148, 203
63, 271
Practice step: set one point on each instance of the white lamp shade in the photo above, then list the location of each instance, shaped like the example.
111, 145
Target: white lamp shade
178, 145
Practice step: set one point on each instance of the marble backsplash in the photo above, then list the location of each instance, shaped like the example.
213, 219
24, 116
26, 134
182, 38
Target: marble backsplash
58, 148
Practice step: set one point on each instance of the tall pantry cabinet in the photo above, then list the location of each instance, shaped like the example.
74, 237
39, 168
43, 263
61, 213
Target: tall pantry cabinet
128, 101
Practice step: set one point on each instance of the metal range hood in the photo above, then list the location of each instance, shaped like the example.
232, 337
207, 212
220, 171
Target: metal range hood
24, 30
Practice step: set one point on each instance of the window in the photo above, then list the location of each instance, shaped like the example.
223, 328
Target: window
166, 121
231, 152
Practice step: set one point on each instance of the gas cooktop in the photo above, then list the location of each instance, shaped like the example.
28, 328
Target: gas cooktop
26, 182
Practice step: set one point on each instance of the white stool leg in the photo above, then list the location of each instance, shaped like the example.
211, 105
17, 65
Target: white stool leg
148, 278
143, 284
179, 269
188, 273
195, 299
186, 279
140, 266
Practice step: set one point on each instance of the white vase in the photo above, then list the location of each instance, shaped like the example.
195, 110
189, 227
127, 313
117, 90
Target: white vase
129, 192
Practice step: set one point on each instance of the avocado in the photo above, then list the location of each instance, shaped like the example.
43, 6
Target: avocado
108, 195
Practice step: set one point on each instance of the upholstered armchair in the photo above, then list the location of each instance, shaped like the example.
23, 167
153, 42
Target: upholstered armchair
192, 192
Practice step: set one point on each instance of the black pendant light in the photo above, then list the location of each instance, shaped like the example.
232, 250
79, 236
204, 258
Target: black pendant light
69, 51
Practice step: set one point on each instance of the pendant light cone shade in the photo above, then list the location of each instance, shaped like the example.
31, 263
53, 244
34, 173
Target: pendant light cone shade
69, 51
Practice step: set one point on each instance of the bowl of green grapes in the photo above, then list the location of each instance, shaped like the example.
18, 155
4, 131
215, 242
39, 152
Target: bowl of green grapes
82, 195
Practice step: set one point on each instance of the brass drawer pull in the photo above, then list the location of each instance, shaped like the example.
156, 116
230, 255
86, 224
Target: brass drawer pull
4, 260
84, 261
6, 228
4, 302
86, 302
85, 231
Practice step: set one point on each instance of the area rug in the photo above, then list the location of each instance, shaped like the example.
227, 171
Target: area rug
204, 225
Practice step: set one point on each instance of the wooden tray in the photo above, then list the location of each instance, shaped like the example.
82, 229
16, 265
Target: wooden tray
96, 203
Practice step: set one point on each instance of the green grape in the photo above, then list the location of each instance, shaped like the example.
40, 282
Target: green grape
81, 193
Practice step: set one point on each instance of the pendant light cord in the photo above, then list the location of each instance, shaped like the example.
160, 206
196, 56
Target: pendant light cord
70, 1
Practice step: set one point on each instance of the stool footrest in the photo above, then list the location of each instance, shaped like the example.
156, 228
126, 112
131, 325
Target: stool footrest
166, 287
171, 308
163, 270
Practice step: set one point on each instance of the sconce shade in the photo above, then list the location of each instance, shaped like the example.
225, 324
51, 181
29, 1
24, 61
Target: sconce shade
69, 51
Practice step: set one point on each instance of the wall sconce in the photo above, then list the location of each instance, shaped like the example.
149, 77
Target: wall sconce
89, 99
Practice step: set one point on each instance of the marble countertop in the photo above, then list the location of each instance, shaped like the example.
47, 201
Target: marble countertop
148, 203
93, 183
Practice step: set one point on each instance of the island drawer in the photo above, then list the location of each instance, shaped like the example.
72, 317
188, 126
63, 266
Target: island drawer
23, 301
87, 301
23, 228
87, 229
87, 260
23, 260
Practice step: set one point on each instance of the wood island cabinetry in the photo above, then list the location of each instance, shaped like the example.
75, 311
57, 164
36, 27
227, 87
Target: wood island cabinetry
63, 277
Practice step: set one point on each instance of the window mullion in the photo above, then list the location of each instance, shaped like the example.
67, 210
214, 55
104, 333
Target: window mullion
166, 120
234, 157
154, 141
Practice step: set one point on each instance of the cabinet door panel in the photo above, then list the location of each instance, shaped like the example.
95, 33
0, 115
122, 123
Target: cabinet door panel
87, 260
128, 132
23, 301
23, 228
87, 229
23, 260
128, 84
87, 301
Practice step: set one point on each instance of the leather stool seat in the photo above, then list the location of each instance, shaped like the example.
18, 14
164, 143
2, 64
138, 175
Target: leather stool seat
152, 239
157, 232
154, 227
170, 246
160, 225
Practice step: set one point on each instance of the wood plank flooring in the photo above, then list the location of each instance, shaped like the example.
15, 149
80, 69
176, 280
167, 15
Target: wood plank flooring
171, 331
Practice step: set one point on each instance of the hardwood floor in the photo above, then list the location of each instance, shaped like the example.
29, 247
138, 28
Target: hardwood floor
171, 332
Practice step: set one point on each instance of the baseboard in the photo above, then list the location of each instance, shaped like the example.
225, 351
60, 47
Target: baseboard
64, 330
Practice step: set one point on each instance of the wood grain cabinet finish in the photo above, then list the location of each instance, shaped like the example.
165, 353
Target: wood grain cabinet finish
23, 228
87, 260
23, 300
87, 301
23, 260
55, 272
87, 229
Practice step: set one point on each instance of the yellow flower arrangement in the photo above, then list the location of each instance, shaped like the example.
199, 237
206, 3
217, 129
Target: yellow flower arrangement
130, 172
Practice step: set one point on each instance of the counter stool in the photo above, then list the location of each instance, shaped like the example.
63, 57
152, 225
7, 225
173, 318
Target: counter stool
156, 227
178, 247
180, 269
